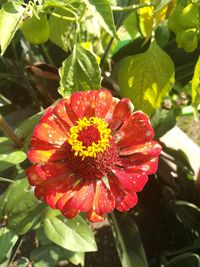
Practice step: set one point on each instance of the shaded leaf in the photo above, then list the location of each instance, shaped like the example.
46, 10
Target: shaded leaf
146, 78
23, 262
9, 155
49, 255
162, 121
188, 214
7, 240
128, 242
185, 259
80, 71
20, 206
74, 235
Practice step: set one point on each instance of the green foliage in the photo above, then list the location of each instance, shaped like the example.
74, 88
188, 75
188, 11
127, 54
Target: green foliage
74, 235
79, 72
135, 50
146, 78
11, 16
129, 246
9, 155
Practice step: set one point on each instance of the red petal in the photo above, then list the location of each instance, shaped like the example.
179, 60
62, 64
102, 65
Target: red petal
83, 199
70, 191
135, 130
103, 199
79, 103
70, 113
131, 181
61, 113
124, 200
122, 110
45, 132
103, 103
55, 189
68, 211
151, 148
38, 156
33, 177
95, 217
109, 115
90, 110
39, 191
52, 169
140, 163
40, 145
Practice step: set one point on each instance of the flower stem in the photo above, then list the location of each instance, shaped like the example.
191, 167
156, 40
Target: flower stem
9, 132
131, 7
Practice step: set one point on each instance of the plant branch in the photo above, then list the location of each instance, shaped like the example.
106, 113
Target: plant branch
131, 7
9, 132
16, 251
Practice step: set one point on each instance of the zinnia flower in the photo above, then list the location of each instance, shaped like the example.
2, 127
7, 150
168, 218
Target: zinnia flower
92, 154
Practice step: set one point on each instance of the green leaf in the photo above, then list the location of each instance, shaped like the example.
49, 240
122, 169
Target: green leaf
9, 155
102, 11
131, 25
21, 206
184, 260
7, 240
80, 71
146, 78
196, 86
23, 262
74, 235
59, 29
49, 255
188, 214
11, 16
162, 121
128, 242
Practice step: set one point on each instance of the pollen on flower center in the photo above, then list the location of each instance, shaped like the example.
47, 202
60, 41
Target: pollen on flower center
89, 137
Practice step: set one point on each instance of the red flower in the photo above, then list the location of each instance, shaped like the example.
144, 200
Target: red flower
92, 153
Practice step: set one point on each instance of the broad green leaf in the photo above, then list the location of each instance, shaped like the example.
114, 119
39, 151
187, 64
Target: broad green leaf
74, 235
131, 25
128, 242
11, 16
146, 78
196, 86
101, 9
59, 29
21, 207
74, 257
7, 240
188, 214
49, 255
184, 260
80, 71
162, 121
9, 155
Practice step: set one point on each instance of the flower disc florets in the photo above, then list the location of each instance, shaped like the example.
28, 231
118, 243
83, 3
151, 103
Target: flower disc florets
89, 137
92, 154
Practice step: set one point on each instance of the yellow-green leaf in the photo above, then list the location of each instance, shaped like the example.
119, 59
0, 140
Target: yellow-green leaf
196, 85
146, 78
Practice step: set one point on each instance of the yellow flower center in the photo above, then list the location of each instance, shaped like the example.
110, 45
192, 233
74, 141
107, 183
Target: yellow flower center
89, 137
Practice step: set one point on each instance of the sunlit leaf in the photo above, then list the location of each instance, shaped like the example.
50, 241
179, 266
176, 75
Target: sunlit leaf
196, 85
80, 71
146, 78
74, 235
8, 238
10, 19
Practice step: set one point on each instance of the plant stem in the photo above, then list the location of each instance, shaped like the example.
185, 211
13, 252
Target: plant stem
16, 251
63, 17
131, 7
9, 132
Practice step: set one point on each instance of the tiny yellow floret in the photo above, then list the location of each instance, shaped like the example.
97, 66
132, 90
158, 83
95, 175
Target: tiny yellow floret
95, 148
